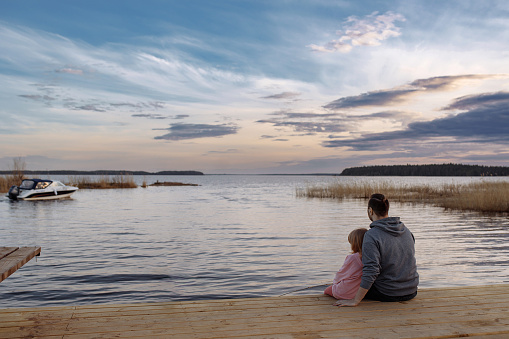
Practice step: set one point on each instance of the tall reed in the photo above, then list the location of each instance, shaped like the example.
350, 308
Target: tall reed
478, 196
103, 181
16, 177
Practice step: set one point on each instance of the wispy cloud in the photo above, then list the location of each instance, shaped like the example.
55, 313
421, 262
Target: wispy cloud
139, 105
368, 31
94, 108
195, 131
70, 71
150, 116
374, 98
37, 97
402, 93
333, 122
283, 95
228, 151
308, 126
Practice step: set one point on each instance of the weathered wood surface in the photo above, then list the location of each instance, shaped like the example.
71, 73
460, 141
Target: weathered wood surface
481, 311
13, 258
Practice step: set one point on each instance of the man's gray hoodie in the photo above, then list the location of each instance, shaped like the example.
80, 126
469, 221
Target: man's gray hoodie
388, 256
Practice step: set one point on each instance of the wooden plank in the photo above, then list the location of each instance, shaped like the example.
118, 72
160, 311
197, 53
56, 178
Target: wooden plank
5, 251
311, 310
144, 322
16, 259
181, 324
481, 312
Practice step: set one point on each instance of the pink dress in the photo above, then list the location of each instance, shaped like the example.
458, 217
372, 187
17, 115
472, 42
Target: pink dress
348, 279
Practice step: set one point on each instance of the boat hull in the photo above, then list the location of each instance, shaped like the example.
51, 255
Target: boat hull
47, 196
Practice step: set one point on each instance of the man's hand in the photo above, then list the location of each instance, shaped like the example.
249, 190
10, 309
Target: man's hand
346, 302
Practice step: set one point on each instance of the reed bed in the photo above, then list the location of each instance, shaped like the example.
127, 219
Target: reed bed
478, 196
6, 181
15, 178
103, 182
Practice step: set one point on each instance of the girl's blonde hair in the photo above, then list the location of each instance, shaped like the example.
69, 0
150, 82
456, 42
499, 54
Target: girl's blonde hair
355, 239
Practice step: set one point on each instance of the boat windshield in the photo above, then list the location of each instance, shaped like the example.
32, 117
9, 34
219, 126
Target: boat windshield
42, 185
27, 184
37, 184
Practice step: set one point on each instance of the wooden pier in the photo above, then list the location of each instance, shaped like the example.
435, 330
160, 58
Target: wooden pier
480, 311
13, 258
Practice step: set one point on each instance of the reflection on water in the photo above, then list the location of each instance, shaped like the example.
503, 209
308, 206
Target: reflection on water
233, 236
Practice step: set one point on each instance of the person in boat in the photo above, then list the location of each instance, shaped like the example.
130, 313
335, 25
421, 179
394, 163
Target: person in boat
348, 278
389, 270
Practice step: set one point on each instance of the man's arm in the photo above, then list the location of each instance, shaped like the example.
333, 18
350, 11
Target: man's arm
361, 292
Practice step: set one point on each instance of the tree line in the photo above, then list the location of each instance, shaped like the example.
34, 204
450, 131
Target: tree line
446, 170
106, 172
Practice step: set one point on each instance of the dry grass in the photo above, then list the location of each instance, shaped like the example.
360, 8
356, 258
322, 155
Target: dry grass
6, 181
144, 183
14, 179
103, 182
479, 196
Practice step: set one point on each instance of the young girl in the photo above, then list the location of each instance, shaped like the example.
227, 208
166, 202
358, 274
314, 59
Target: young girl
348, 278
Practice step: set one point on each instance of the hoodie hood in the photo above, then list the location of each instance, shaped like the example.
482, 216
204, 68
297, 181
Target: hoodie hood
391, 225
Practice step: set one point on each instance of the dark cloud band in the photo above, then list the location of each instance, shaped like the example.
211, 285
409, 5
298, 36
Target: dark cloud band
486, 121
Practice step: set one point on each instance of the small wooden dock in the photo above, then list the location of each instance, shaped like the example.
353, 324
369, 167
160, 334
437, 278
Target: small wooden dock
13, 258
481, 311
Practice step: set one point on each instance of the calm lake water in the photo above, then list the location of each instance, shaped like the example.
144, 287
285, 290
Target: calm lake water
231, 237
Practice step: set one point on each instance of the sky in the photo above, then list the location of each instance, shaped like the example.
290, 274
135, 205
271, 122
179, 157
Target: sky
253, 86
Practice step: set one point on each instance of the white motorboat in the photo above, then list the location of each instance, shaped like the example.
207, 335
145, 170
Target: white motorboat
40, 189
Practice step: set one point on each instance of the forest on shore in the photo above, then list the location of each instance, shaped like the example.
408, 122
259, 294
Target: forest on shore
444, 170
106, 172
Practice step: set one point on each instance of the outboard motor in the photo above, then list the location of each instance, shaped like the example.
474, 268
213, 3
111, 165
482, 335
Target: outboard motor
13, 193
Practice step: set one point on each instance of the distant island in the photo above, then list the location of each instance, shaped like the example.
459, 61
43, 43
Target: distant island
106, 172
434, 170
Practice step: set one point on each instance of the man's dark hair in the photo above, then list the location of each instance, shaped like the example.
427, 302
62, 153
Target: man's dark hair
379, 204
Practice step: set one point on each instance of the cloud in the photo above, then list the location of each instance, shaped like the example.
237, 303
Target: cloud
140, 105
195, 131
375, 98
70, 71
284, 95
447, 82
228, 151
332, 122
56, 96
291, 115
307, 126
37, 97
150, 116
473, 101
486, 121
402, 93
368, 31
89, 107
159, 116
